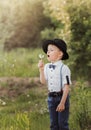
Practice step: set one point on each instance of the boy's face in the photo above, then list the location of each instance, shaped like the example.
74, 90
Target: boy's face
54, 53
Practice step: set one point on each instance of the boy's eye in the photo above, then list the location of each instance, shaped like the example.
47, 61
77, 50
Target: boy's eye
50, 50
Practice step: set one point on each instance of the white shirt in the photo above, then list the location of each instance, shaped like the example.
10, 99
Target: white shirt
54, 76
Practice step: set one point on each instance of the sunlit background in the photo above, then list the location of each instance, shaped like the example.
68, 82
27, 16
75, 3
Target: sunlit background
24, 24
27, 23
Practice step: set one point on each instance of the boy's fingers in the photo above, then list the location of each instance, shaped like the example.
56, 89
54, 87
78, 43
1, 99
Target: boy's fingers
40, 64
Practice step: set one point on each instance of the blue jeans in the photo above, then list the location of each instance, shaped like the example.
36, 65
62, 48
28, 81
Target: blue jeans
58, 120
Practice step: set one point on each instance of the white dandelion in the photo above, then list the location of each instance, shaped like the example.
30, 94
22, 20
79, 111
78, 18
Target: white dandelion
41, 56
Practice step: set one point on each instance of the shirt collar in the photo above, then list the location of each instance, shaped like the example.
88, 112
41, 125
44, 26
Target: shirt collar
57, 63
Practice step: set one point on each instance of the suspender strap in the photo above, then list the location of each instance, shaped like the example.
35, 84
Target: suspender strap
61, 75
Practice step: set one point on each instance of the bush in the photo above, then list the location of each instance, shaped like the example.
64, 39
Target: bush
81, 101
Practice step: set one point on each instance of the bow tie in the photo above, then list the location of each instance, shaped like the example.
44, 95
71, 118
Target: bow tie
52, 66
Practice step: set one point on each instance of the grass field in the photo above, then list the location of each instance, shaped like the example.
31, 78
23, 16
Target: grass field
20, 62
23, 103
28, 110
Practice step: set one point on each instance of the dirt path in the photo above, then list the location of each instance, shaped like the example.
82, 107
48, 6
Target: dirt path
14, 86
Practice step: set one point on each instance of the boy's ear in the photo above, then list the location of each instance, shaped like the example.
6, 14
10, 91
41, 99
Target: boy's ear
61, 54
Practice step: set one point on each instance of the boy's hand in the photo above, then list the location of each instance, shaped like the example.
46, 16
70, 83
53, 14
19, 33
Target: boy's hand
41, 65
60, 107
41, 70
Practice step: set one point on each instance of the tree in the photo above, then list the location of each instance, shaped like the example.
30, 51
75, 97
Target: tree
80, 43
57, 11
22, 22
74, 18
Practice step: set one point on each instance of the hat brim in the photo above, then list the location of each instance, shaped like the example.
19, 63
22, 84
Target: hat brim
65, 56
45, 45
45, 48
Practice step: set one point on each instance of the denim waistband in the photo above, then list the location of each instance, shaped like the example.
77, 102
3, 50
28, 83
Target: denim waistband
55, 94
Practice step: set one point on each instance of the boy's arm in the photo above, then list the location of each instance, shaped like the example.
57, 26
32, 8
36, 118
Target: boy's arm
41, 70
42, 77
61, 105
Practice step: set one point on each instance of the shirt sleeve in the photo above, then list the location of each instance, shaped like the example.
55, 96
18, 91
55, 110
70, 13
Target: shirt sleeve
66, 75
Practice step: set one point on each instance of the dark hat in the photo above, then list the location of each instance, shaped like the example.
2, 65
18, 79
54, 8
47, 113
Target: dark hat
59, 43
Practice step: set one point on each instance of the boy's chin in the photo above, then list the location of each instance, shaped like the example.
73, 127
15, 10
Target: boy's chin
48, 59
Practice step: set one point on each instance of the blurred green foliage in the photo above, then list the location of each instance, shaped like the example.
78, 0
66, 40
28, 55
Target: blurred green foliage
80, 42
29, 111
20, 63
21, 23
27, 23
74, 26
80, 99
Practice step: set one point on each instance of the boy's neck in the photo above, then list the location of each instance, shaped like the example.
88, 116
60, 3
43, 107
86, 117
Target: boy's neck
55, 61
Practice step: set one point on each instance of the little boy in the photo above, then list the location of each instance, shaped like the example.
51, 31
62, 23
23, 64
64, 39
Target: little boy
57, 76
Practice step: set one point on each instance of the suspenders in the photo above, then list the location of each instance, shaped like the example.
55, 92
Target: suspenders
61, 75
67, 78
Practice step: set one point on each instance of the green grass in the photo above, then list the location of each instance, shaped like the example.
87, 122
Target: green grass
80, 108
20, 62
25, 112
28, 110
